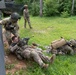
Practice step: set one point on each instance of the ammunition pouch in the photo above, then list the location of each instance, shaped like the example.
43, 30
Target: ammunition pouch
23, 42
9, 27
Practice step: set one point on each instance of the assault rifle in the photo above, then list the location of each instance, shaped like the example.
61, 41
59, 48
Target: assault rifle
24, 41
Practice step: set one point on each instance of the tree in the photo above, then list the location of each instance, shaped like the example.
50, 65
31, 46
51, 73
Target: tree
41, 7
72, 10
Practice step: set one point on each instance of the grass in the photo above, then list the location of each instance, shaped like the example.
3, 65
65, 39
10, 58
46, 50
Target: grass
46, 30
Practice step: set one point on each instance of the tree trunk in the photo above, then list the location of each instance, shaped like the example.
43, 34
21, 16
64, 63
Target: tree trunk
41, 2
72, 10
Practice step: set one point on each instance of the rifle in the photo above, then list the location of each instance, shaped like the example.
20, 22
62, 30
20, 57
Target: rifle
24, 41
9, 27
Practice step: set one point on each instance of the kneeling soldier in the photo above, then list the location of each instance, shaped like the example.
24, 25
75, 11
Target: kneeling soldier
11, 26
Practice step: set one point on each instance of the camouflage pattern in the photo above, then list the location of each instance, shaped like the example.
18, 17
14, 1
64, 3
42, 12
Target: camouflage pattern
28, 53
6, 22
66, 50
63, 50
62, 47
72, 44
26, 18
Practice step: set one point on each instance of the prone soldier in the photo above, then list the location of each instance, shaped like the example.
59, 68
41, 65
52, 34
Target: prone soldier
72, 44
26, 16
61, 47
26, 52
11, 26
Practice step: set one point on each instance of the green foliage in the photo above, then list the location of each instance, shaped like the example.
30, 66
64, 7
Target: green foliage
35, 8
65, 6
19, 1
65, 14
75, 8
50, 7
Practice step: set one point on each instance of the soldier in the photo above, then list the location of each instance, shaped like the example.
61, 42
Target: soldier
61, 47
72, 44
26, 16
11, 26
29, 52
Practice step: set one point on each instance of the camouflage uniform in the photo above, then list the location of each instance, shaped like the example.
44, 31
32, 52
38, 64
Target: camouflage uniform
65, 50
26, 16
72, 44
28, 52
6, 22
61, 47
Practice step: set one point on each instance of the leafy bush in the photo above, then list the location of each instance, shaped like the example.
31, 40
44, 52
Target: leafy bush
50, 7
65, 14
35, 9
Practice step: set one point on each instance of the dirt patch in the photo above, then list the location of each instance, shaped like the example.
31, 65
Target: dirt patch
17, 64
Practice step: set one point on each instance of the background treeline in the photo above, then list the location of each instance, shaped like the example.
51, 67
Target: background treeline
62, 8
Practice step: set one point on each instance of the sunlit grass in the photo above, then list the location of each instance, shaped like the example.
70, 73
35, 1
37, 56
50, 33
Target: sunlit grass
46, 30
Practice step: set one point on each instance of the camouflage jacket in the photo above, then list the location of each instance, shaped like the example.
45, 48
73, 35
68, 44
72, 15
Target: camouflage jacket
14, 48
25, 13
6, 22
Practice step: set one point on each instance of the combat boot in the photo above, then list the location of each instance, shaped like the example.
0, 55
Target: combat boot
45, 65
52, 58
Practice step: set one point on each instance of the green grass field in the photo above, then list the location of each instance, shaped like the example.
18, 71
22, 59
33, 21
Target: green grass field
45, 30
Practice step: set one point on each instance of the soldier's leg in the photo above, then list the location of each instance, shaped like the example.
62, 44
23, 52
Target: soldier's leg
8, 37
27, 54
37, 58
46, 58
68, 50
29, 23
43, 57
25, 21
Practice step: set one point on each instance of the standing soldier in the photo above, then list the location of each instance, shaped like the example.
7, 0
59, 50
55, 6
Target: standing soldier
26, 16
11, 26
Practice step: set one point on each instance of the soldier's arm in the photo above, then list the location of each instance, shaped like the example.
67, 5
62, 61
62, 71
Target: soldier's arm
13, 48
3, 22
24, 14
16, 28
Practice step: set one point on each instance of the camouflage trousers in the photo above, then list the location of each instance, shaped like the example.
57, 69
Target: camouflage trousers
38, 56
27, 20
63, 50
67, 50
7, 35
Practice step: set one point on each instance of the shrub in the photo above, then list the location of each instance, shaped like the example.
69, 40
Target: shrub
50, 8
65, 14
35, 9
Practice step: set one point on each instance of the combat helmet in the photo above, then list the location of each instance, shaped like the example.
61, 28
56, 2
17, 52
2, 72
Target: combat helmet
25, 6
15, 16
